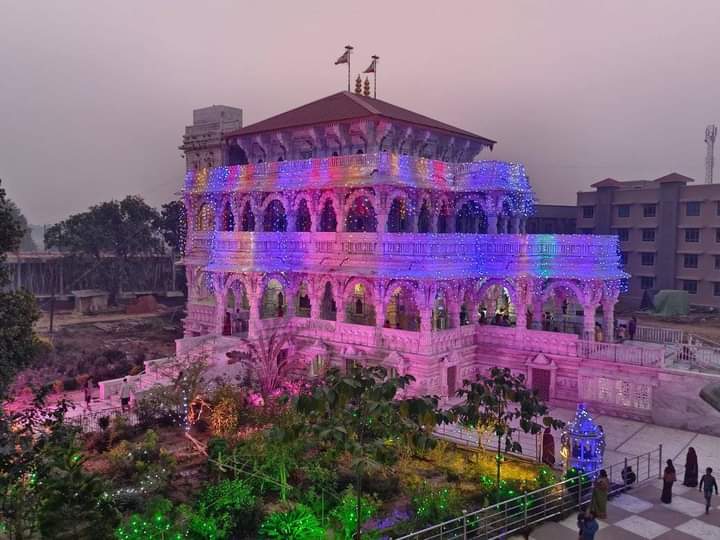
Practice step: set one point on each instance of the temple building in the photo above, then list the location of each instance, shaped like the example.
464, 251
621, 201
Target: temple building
373, 234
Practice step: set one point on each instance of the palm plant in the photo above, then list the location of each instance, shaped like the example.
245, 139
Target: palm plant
266, 362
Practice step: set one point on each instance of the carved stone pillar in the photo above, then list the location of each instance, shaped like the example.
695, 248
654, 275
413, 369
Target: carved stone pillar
220, 301
521, 317
426, 314
514, 225
492, 224
291, 221
379, 306
589, 321
315, 307
454, 314
537, 314
382, 218
258, 213
254, 315
609, 320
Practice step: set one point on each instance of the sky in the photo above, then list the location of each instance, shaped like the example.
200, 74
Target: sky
94, 95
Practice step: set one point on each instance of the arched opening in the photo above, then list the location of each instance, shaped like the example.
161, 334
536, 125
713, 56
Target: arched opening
359, 309
275, 219
273, 300
303, 220
328, 309
203, 290
227, 221
237, 311
236, 156
443, 220
303, 302
496, 306
470, 219
440, 314
402, 312
467, 308
205, 218
424, 218
562, 311
247, 222
328, 219
400, 216
361, 217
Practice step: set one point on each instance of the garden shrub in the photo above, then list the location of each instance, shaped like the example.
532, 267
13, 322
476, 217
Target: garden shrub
385, 486
233, 507
160, 522
432, 504
225, 417
120, 430
297, 523
344, 515
97, 441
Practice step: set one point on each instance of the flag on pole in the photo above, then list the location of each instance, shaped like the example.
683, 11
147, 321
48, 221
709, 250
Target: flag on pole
372, 66
345, 58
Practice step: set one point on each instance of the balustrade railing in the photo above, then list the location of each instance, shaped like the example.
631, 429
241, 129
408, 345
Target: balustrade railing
659, 334
622, 354
531, 509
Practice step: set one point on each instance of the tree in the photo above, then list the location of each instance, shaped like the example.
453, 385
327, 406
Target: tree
121, 230
26, 243
18, 310
268, 363
497, 403
172, 225
357, 413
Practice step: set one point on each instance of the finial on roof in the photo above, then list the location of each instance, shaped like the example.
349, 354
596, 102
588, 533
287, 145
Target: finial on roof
366, 87
358, 85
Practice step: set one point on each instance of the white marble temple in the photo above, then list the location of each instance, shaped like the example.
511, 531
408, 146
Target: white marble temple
642, 527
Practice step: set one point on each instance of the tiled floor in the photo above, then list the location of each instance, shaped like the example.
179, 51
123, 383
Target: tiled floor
639, 514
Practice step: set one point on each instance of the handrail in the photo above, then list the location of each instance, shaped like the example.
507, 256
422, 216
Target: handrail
530, 509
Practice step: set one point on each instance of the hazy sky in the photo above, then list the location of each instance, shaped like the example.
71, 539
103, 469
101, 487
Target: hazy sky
94, 95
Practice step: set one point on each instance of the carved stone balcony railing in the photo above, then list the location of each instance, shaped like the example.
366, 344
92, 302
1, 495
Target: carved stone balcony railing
411, 254
359, 170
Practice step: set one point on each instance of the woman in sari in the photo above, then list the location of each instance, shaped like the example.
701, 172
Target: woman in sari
669, 478
691, 469
548, 448
598, 502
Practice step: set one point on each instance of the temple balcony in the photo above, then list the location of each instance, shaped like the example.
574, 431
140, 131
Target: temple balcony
417, 255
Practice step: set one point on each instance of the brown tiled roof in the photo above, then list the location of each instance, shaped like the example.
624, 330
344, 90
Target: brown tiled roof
673, 177
346, 106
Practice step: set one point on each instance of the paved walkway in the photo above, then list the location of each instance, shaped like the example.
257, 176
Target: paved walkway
639, 514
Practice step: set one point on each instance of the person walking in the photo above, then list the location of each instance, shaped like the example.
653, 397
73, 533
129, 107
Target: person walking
691, 469
669, 479
598, 502
589, 527
707, 485
125, 392
632, 328
548, 448
87, 392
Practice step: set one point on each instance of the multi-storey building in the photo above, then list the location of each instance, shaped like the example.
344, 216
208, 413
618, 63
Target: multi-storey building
552, 219
669, 232
369, 234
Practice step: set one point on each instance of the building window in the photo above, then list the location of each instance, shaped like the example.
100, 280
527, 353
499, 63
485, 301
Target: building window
649, 210
623, 234
623, 257
647, 259
690, 285
717, 208
716, 289
717, 235
588, 211
690, 261
647, 282
624, 210
692, 235
692, 208
648, 235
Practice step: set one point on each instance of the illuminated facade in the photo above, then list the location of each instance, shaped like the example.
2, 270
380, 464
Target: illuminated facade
369, 234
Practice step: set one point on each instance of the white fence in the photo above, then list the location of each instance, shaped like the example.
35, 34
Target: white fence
659, 334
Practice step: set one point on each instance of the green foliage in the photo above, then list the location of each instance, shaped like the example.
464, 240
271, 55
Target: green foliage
160, 522
496, 403
11, 231
434, 504
18, 342
123, 229
298, 523
232, 508
172, 225
345, 515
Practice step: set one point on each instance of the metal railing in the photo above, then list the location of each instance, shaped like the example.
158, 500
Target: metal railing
531, 444
622, 354
659, 334
89, 421
531, 509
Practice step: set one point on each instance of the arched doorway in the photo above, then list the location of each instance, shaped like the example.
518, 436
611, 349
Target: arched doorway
303, 220
328, 309
248, 218
441, 316
443, 219
237, 311
303, 307
274, 219
361, 216
400, 216
328, 219
273, 300
359, 308
424, 218
402, 312
205, 218
496, 306
227, 221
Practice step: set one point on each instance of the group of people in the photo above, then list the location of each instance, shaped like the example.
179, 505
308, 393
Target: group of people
126, 391
707, 484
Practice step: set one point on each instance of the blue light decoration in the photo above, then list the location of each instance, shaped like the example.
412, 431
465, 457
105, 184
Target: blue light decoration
582, 443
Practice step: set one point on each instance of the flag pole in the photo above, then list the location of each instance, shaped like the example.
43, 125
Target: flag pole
349, 49
375, 59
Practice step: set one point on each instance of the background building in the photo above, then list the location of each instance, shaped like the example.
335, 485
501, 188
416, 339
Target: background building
552, 219
669, 232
